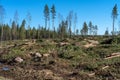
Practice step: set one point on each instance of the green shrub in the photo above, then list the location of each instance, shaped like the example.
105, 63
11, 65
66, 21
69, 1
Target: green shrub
40, 40
12, 54
106, 41
91, 66
114, 40
65, 55
111, 61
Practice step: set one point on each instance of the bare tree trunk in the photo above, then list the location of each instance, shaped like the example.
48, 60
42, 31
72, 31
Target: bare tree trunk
1, 35
48, 29
45, 27
113, 26
53, 28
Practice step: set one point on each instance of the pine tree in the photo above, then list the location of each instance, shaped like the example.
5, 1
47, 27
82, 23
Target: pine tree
14, 30
53, 17
90, 28
34, 33
96, 29
2, 15
106, 32
22, 30
114, 16
85, 29
28, 22
46, 14
62, 30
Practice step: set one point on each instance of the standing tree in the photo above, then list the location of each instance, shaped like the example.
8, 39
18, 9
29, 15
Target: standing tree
75, 21
18, 34
90, 28
22, 30
46, 14
16, 17
77, 32
96, 29
47, 17
15, 33
2, 15
85, 29
62, 30
7, 32
38, 32
10, 24
34, 33
69, 19
53, 17
28, 22
106, 32
14, 30
114, 16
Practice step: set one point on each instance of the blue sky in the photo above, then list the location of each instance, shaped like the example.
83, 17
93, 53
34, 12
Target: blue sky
97, 11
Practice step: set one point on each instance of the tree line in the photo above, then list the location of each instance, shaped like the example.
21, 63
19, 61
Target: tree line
14, 31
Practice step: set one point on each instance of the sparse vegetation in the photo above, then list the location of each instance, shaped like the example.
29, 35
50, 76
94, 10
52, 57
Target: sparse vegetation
58, 51
64, 61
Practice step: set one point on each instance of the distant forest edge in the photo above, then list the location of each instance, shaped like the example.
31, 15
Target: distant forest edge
16, 31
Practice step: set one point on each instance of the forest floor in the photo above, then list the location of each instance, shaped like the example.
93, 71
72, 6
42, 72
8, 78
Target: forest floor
82, 58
